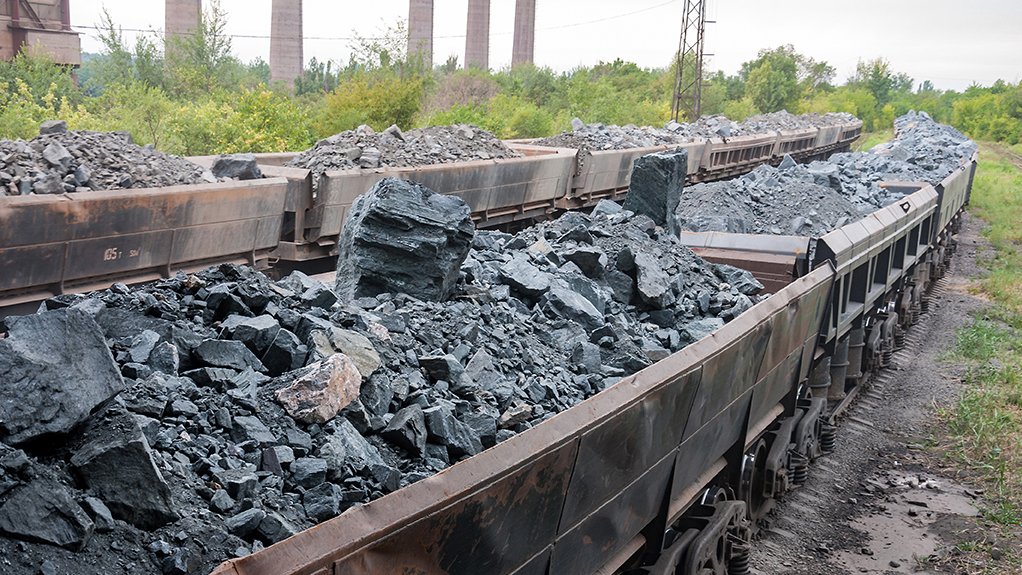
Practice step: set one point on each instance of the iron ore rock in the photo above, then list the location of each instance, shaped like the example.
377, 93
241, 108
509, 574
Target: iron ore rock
44, 511
56, 370
656, 184
401, 237
116, 464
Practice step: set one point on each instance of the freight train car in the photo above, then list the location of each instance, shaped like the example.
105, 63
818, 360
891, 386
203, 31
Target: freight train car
666, 471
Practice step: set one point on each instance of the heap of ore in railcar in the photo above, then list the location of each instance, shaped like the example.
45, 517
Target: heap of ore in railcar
609, 137
59, 161
393, 148
813, 199
211, 414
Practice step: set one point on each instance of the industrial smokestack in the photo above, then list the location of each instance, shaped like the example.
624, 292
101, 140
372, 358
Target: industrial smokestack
525, 32
286, 56
420, 31
477, 38
181, 19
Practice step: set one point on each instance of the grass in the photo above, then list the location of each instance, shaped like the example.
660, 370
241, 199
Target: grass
869, 139
984, 430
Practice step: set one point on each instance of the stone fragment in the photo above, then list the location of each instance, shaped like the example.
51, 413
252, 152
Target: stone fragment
524, 277
255, 332
652, 283
358, 348
322, 502
401, 237
142, 346
100, 514
116, 464
656, 184
57, 370
251, 428
445, 429
569, 305
228, 354
590, 260
52, 127
245, 523
43, 511
442, 367
347, 452
164, 358
275, 528
741, 280
286, 353
407, 430
309, 471
323, 391
698, 329
237, 167
58, 156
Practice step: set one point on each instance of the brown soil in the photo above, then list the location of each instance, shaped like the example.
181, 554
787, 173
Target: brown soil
882, 503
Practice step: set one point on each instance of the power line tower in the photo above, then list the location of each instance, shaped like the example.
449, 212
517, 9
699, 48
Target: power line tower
688, 84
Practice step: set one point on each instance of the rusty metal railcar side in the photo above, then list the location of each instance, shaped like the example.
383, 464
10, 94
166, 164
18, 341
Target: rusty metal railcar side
581, 487
67, 242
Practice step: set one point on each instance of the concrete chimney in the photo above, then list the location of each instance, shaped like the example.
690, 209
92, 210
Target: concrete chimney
420, 30
286, 57
181, 19
525, 32
477, 39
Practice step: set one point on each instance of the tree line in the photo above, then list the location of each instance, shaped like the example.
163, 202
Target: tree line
192, 96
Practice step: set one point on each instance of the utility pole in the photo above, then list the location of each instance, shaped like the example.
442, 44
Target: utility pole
688, 86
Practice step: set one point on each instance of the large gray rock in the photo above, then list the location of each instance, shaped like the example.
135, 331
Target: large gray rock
525, 278
402, 237
116, 464
569, 305
407, 430
656, 184
56, 369
346, 452
652, 282
43, 511
237, 166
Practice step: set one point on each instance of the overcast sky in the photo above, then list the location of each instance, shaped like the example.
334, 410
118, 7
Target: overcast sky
949, 42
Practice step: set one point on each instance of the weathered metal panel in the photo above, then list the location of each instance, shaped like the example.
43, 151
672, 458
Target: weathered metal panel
117, 254
39, 265
117, 234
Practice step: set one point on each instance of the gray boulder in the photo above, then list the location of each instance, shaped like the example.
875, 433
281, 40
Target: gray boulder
237, 167
57, 370
402, 237
656, 184
43, 511
116, 463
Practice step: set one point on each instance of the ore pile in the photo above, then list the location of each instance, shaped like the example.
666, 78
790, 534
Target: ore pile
224, 434
858, 175
816, 198
779, 201
59, 161
365, 148
604, 137
785, 120
922, 151
934, 147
